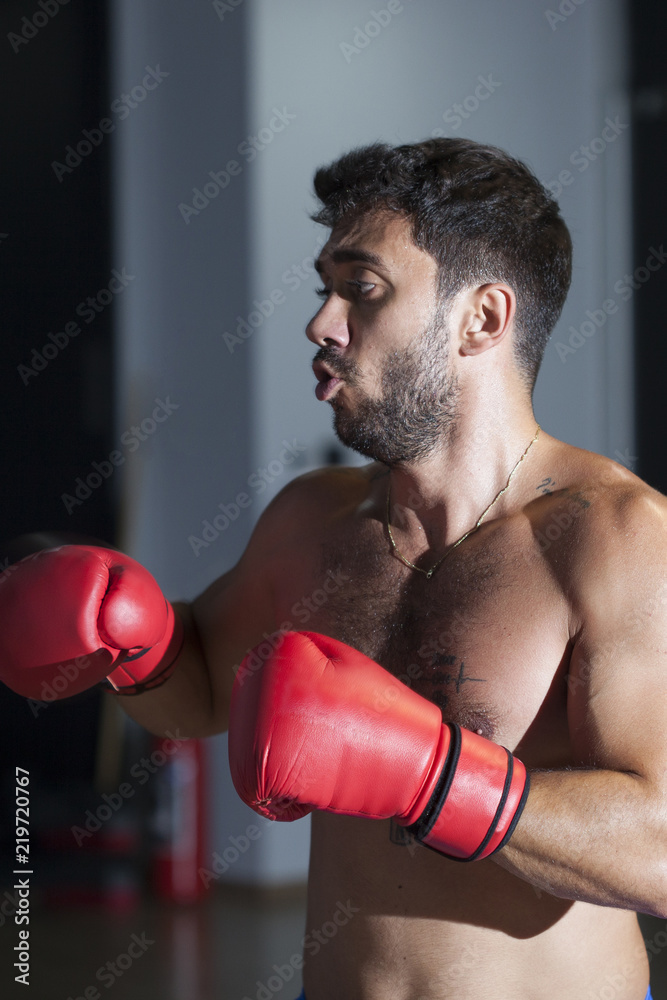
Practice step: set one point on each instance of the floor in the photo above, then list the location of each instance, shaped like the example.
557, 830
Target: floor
235, 946
224, 949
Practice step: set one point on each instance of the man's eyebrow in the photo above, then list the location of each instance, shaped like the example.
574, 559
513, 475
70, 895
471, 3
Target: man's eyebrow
346, 255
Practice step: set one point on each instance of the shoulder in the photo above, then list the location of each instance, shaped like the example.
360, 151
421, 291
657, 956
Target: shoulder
328, 486
604, 535
622, 554
311, 500
596, 497
618, 512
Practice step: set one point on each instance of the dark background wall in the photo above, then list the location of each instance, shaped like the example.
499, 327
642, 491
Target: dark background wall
649, 101
56, 390
55, 247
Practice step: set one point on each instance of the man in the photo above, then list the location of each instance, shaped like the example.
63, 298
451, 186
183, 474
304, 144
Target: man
513, 581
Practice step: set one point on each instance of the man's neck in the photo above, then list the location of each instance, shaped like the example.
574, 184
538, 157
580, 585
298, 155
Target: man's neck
439, 498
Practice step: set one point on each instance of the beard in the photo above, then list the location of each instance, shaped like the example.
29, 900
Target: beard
416, 409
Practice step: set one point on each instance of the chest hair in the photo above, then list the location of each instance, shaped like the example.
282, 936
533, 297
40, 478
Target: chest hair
421, 630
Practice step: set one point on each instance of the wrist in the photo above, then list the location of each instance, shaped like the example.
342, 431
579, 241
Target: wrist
475, 801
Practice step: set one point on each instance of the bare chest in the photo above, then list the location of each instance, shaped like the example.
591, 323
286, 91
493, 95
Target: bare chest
484, 638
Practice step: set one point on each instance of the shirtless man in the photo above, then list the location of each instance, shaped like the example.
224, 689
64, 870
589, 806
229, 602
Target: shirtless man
516, 582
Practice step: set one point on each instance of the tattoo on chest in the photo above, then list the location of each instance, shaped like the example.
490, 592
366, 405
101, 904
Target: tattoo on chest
458, 677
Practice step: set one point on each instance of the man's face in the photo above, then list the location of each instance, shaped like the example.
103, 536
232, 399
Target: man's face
383, 361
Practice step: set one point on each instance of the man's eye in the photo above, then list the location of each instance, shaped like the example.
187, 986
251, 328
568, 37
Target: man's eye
363, 287
359, 287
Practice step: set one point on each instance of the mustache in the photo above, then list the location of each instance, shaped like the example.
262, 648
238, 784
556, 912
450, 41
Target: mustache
341, 366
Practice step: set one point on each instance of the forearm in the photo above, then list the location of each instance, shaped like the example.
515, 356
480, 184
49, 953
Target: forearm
598, 836
184, 702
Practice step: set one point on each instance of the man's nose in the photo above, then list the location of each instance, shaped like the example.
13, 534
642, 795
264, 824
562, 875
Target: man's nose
329, 326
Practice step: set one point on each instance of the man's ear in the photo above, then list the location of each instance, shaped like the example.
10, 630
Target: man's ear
487, 316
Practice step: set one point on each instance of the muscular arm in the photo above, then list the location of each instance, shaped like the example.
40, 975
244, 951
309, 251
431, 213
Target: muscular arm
235, 613
598, 832
195, 699
221, 625
597, 836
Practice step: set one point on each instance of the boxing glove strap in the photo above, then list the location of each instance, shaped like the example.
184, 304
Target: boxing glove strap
477, 800
158, 666
424, 824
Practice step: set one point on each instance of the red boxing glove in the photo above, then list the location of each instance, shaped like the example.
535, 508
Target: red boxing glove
321, 726
73, 615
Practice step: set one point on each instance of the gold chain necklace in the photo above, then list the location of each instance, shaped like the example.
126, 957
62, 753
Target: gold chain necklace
428, 573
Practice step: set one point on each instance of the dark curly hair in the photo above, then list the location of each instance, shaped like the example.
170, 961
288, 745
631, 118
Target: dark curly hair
480, 213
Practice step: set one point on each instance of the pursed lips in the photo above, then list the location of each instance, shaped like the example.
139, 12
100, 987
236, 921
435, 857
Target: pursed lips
327, 381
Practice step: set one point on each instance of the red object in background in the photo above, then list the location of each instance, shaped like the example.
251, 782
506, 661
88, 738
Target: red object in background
180, 820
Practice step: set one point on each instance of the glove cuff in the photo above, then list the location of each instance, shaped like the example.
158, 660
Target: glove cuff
477, 801
151, 667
